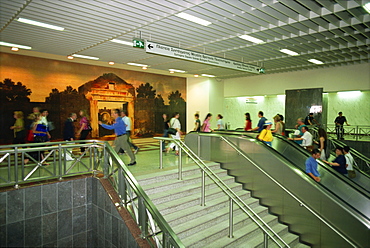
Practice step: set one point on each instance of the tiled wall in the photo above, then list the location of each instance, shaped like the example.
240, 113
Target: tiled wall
355, 108
236, 107
75, 213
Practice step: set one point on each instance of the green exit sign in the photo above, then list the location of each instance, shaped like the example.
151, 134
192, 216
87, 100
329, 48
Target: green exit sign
138, 43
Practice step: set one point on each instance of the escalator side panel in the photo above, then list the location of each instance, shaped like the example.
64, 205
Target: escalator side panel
300, 220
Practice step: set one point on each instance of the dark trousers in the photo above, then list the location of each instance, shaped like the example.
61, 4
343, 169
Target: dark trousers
83, 136
339, 129
165, 134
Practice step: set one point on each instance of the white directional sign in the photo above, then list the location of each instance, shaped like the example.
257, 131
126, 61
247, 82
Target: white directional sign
152, 47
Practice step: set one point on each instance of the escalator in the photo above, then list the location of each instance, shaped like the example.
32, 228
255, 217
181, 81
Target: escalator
297, 155
362, 166
319, 212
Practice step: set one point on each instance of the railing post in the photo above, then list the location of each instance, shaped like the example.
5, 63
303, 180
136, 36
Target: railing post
357, 133
198, 145
180, 163
203, 193
15, 166
231, 217
106, 163
160, 154
122, 191
60, 159
143, 218
265, 240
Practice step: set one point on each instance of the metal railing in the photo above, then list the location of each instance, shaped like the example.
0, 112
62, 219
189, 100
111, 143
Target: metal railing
357, 132
302, 204
52, 160
233, 198
55, 160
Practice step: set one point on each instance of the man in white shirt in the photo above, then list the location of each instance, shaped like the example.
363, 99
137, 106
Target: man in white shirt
349, 162
127, 121
306, 139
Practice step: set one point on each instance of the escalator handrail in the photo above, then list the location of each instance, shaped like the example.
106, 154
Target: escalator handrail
329, 169
299, 148
240, 152
354, 152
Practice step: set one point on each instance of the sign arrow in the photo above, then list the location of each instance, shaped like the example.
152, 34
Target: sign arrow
150, 46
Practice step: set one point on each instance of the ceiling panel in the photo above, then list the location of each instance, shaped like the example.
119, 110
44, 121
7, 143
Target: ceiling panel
336, 31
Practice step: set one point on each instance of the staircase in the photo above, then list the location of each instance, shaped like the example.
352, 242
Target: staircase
208, 226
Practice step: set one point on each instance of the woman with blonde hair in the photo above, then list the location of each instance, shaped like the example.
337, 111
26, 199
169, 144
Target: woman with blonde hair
278, 125
84, 127
18, 128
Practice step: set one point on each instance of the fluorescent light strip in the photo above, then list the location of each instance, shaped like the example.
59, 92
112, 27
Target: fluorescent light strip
352, 93
367, 7
315, 61
2, 43
193, 19
85, 57
40, 24
128, 43
134, 64
175, 70
206, 75
287, 51
251, 39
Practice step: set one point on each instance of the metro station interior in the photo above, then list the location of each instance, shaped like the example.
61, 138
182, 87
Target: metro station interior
220, 188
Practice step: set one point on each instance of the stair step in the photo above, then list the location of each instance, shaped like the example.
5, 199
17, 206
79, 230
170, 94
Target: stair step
197, 211
193, 199
208, 226
187, 184
164, 174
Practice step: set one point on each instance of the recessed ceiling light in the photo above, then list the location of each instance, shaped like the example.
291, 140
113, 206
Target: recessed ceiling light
144, 68
85, 57
196, 75
111, 62
207, 75
70, 57
128, 43
15, 49
287, 51
251, 39
175, 70
193, 19
2, 43
315, 61
367, 7
40, 24
135, 64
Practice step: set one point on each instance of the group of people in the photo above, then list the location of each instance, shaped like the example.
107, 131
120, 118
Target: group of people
343, 163
206, 126
122, 129
264, 126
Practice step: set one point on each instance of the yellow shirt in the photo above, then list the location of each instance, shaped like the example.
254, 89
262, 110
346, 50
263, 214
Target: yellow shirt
265, 135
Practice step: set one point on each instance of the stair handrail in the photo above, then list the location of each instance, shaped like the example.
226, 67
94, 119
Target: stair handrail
149, 209
240, 152
228, 191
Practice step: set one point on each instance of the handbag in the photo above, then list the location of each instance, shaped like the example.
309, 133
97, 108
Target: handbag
172, 131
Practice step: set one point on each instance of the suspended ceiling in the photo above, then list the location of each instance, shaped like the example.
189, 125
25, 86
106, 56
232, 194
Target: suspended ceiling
333, 31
